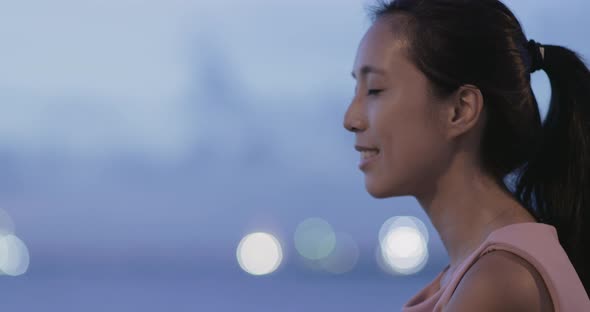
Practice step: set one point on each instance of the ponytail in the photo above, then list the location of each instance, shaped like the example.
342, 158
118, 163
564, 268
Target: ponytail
555, 182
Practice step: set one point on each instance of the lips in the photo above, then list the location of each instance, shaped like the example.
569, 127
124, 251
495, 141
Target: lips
362, 148
367, 158
365, 154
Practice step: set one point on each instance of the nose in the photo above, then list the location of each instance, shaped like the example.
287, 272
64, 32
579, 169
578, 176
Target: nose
353, 118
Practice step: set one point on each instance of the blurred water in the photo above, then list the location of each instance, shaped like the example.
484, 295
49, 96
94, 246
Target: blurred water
190, 292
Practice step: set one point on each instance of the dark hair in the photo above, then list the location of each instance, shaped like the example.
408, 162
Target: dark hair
480, 42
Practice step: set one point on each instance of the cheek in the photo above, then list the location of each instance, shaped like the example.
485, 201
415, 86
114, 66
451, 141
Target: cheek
412, 154
411, 132
409, 150
406, 134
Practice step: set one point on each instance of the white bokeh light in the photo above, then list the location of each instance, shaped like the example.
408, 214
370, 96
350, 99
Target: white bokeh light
259, 253
14, 256
403, 245
314, 239
399, 221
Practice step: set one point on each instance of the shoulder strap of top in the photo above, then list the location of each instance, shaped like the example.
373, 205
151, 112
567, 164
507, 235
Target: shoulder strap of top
538, 244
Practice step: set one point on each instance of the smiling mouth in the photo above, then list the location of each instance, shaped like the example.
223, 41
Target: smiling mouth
368, 157
369, 154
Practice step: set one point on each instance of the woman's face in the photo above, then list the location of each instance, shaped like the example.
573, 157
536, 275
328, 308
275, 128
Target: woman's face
393, 111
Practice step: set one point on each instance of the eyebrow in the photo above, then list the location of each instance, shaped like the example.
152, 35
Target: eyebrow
366, 69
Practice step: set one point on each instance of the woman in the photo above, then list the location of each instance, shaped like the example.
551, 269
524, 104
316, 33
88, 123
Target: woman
444, 111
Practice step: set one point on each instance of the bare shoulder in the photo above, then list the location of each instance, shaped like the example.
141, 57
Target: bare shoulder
501, 281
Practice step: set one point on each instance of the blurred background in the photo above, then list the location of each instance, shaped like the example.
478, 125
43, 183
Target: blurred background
190, 156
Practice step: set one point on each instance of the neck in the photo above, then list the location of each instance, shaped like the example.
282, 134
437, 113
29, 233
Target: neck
465, 206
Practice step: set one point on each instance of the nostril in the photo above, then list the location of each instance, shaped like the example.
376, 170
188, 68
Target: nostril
355, 128
350, 127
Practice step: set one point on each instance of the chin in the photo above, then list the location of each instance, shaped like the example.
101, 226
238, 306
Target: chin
380, 192
384, 190
379, 195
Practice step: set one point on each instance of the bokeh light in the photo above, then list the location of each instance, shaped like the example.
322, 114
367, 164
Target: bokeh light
403, 245
399, 221
343, 257
314, 239
14, 256
259, 253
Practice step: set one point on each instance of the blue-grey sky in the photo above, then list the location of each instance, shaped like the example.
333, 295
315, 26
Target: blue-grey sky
92, 84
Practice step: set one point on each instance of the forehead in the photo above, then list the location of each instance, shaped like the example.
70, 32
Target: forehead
382, 45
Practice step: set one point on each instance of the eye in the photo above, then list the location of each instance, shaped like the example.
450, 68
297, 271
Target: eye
374, 91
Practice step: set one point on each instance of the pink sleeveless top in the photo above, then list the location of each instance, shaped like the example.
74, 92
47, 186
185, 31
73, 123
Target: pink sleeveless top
535, 242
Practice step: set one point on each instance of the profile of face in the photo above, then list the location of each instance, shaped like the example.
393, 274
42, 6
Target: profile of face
393, 111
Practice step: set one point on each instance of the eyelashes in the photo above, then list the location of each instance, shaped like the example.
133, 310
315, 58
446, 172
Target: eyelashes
371, 92
374, 91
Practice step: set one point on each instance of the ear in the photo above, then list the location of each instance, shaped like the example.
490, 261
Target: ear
465, 112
